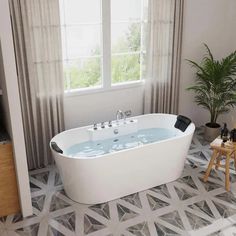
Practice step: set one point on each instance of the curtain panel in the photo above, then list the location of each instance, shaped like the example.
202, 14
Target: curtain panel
38, 51
164, 38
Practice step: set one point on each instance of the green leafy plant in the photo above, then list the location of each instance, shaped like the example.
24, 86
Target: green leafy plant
215, 88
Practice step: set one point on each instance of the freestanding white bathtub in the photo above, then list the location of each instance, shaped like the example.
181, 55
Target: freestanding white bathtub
103, 178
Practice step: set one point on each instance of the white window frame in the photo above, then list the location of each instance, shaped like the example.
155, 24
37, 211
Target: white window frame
106, 58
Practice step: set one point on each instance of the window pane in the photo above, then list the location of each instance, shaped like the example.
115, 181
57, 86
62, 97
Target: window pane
125, 10
125, 68
125, 37
82, 11
83, 41
83, 73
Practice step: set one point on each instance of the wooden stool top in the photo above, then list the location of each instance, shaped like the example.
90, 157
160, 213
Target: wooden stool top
229, 147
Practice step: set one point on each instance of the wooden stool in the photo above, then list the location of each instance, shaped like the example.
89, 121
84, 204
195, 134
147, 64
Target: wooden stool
229, 151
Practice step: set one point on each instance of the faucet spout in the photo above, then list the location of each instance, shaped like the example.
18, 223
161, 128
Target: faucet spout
119, 115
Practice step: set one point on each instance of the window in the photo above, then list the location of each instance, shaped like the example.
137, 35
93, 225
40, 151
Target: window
103, 42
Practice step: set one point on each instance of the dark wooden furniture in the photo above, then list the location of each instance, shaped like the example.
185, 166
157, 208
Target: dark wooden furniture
9, 201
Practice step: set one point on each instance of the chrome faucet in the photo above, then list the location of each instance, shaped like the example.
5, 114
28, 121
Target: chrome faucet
120, 115
95, 126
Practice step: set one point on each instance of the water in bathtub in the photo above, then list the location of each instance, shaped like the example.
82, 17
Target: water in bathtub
100, 147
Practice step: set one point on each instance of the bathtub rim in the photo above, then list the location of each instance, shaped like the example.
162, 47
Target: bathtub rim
190, 130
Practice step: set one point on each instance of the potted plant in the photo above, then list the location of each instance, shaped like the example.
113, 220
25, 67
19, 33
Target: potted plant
215, 88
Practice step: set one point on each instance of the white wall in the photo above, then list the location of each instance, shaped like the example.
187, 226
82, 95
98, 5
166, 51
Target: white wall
212, 22
93, 108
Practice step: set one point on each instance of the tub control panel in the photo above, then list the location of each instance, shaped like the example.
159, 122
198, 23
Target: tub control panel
112, 129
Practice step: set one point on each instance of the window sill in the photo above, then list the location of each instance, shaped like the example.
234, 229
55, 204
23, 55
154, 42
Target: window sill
94, 90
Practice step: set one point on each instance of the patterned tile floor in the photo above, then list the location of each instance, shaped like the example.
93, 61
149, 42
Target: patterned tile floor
183, 207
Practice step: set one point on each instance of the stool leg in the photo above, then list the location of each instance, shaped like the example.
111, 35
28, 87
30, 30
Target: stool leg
218, 161
235, 160
227, 182
211, 163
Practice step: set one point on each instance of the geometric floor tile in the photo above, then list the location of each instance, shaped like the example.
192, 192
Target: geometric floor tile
218, 233
209, 185
17, 218
183, 207
125, 213
91, 225
53, 232
34, 188
196, 221
194, 164
213, 174
232, 177
225, 211
102, 209
30, 230
57, 180
184, 194
202, 207
38, 202
42, 177
200, 155
164, 231
67, 220
173, 218
162, 189
156, 203
139, 229
189, 181
227, 197
191, 164
57, 203
133, 199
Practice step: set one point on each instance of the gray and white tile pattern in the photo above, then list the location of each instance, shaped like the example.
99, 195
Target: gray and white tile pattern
183, 207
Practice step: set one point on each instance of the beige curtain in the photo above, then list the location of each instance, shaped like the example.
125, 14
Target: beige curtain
37, 39
163, 56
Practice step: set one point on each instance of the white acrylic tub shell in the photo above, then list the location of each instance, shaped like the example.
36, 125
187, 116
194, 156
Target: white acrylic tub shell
114, 175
